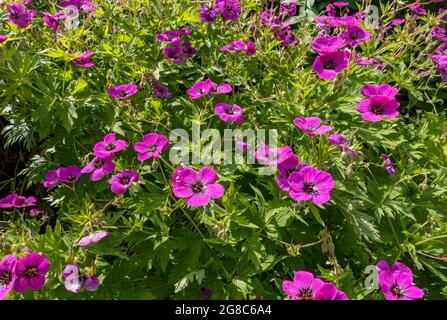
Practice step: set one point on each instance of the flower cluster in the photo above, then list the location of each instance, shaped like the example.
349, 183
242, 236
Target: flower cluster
74, 280
281, 30
177, 50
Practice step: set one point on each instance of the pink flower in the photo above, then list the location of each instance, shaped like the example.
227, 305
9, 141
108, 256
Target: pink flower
99, 167
272, 156
376, 108
92, 238
388, 164
123, 180
310, 184
329, 65
109, 146
70, 174
229, 112
306, 287
311, 126
200, 89
30, 272
23, 202
122, 91
19, 16
197, 187
324, 45
84, 61
355, 36
3, 39
151, 146
52, 20
91, 283
8, 201
51, 178
399, 285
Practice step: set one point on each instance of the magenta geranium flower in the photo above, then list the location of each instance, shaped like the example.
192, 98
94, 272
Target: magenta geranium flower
399, 285
92, 238
70, 174
91, 283
188, 50
151, 146
197, 187
388, 164
303, 287
84, 61
288, 8
30, 272
52, 20
82, 5
3, 39
7, 274
208, 14
285, 168
324, 45
109, 146
355, 36
19, 15
378, 107
174, 54
329, 65
51, 178
8, 201
310, 184
370, 90
123, 180
311, 126
161, 92
99, 167
271, 156
229, 112
222, 88
122, 91
229, 9
23, 202
200, 89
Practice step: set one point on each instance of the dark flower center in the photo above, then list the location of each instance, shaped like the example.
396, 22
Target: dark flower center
354, 36
5, 279
71, 177
310, 188
124, 180
98, 164
16, 15
198, 187
230, 111
398, 291
151, 148
30, 272
110, 147
306, 294
377, 109
330, 65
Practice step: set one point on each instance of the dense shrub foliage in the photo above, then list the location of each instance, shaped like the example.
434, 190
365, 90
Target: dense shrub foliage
94, 207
